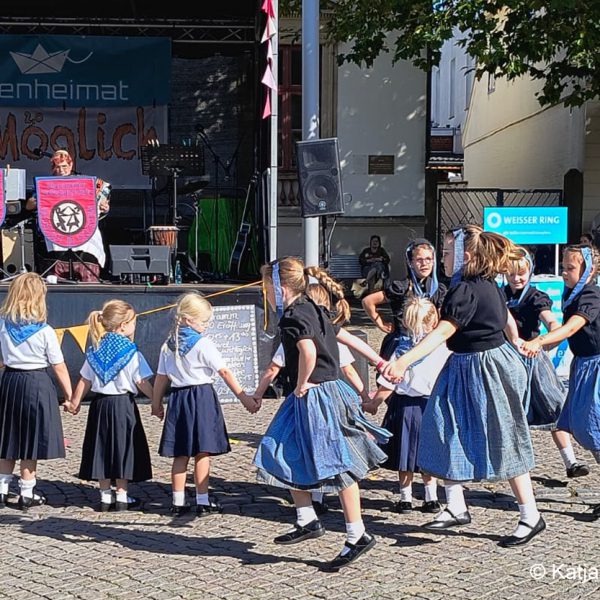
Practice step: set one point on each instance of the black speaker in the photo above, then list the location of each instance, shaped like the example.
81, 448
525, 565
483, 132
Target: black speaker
319, 177
140, 260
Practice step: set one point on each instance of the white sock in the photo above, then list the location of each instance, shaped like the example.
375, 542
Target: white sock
122, 497
317, 497
306, 515
106, 496
354, 531
406, 493
528, 514
5, 479
455, 498
27, 486
202, 499
178, 498
568, 456
431, 491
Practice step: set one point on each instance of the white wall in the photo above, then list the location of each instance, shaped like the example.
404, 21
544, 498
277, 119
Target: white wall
591, 181
382, 111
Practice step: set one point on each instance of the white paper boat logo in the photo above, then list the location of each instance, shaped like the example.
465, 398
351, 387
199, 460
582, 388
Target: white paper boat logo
41, 62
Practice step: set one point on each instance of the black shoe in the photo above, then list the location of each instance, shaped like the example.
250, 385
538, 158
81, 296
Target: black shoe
578, 470
3, 500
38, 499
320, 507
106, 506
178, 510
212, 507
312, 530
595, 511
404, 508
431, 506
123, 506
462, 519
363, 545
511, 540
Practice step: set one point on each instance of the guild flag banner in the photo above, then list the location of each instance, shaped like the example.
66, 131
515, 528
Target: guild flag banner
2, 198
67, 212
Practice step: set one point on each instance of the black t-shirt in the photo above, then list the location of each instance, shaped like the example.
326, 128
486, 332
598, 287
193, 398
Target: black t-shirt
477, 307
586, 342
398, 292
527, 312
302, 320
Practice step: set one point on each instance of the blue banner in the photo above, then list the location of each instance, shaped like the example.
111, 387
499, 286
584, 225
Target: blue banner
528, 225
93, 71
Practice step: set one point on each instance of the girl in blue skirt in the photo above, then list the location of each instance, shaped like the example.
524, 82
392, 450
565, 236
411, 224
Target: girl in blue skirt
194, 425
319, 440
30, 425
406, 402
474, 426
114, 444
530, 306
581, 326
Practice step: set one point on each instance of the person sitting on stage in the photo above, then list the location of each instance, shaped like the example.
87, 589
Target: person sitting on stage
374, 263
91, 253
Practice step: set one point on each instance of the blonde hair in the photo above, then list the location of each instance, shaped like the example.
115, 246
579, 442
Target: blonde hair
521, 264
490, 253
294, 276
577, 248
26, 300
190, 306
113, 314
420, 316
318, 294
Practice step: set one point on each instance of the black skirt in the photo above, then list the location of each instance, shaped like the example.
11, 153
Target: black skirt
194, 423
30, 424
115, 445
403, 420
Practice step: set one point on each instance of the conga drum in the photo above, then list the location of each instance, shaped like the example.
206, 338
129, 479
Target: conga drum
163, 235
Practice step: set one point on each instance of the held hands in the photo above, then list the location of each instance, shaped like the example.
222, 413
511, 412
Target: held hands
301, 389
250, 403
372, 406
158, 410
71, 407
531, 348
394, 370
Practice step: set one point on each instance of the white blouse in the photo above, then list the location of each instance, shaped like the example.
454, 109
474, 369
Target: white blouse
136, 370
37, 352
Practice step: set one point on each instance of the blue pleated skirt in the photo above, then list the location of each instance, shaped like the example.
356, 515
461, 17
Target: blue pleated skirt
30, 425
580, 415
194, 423
547, 392
403, 420
474, 426
322, 441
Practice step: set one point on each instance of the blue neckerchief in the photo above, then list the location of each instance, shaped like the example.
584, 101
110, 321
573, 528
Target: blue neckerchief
113, 354
187, 338
405, 343
459, 256
589, 264
20, 332
516, 301
278, 291
560, 353
416, 285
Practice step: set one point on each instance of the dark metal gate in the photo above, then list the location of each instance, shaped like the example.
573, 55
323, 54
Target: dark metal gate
461, 206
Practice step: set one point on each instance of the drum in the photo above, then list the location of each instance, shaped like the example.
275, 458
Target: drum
163, 235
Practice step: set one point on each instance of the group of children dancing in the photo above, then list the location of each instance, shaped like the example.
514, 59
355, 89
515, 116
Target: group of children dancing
463, 384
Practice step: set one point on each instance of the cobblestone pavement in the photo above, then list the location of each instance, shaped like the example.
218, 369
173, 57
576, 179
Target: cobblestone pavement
68, 550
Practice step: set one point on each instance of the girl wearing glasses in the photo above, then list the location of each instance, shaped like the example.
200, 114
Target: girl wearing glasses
114, 445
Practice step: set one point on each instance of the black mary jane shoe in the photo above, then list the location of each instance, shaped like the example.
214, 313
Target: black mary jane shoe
38, 499
213, 506
123, 506
363, 545
3, 500
310, 531
578, 470
595, 511
403, 508
455, 520
106, 506
320, 507
178, 510
431, 507
511, 541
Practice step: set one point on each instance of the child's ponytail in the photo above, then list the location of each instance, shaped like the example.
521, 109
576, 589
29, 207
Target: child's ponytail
97, 330
334, 288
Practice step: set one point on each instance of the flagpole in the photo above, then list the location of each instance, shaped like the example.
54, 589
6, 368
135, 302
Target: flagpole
273, 168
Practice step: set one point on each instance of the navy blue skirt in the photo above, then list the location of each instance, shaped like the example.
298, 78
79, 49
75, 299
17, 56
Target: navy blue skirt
115, 445
30, 425
390, 341
403, 420
194, 423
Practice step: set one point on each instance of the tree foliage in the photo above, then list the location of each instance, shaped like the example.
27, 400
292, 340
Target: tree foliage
553, 41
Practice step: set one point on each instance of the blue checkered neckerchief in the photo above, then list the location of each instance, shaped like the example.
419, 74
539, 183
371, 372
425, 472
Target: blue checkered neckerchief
113, 354
589, 265
406, 343
22, 331
278, 290
459, 256
187, 338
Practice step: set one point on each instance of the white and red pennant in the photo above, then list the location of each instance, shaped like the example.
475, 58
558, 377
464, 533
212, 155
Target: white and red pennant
268, 78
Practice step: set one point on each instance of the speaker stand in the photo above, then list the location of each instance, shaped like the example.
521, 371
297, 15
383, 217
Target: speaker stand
326, 240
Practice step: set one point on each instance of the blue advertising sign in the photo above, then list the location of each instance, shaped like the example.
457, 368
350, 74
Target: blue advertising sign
528, 225
94, 71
